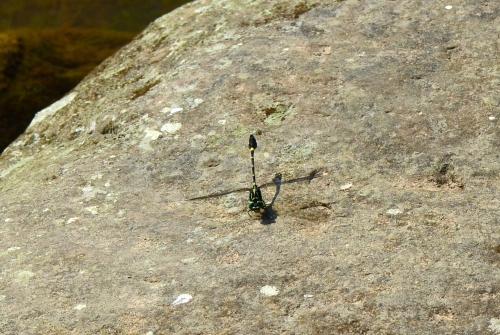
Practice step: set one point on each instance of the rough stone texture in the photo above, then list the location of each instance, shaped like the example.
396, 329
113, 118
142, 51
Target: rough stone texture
399, 99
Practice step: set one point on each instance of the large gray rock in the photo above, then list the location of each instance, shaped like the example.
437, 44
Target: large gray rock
392, 107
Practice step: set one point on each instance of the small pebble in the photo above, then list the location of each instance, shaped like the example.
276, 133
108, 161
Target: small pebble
308, 296
171, 128
345, 187
96, 176
193, 103
394, 211
175, 110
171, 110
88, 192
448, 7
269, 291
149, 136
24, 276
182, 299
79, 307
71, 220
494, 326
92, 210
7, 220
492, 118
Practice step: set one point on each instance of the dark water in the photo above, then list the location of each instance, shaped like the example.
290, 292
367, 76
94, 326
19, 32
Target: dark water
128, 15
48, 46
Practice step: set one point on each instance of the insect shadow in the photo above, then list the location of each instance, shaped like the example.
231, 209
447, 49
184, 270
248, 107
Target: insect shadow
269, 214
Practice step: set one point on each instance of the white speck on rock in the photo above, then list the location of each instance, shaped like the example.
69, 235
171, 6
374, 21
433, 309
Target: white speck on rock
108, 184
92, 126
36, 138
346, 186
79, 130
492, 118
52, 109
394, 211
92, 210
448, 7
201, 9
171, 128
182, 299
150, 135
13, 249
221, 122
24, 276
88, 192
7, 220
96, 176
494, 326
308, 296
150, 333
79, 307
18, 144
175, 110
172, 110
193, 103
2, 297
71, 220
269, 291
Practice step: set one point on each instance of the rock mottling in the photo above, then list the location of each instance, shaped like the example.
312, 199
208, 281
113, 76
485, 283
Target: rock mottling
392, 98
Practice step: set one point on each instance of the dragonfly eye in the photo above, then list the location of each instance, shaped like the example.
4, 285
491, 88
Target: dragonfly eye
252, 142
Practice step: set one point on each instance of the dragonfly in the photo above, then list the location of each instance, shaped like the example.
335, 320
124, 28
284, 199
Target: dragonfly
256, 202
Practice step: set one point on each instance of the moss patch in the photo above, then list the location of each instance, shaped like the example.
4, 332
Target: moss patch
276, 114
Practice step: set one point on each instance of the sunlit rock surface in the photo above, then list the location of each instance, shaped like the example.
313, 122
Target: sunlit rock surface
384, 113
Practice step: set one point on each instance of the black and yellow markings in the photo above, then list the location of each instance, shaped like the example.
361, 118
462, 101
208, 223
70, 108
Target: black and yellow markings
255, 201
